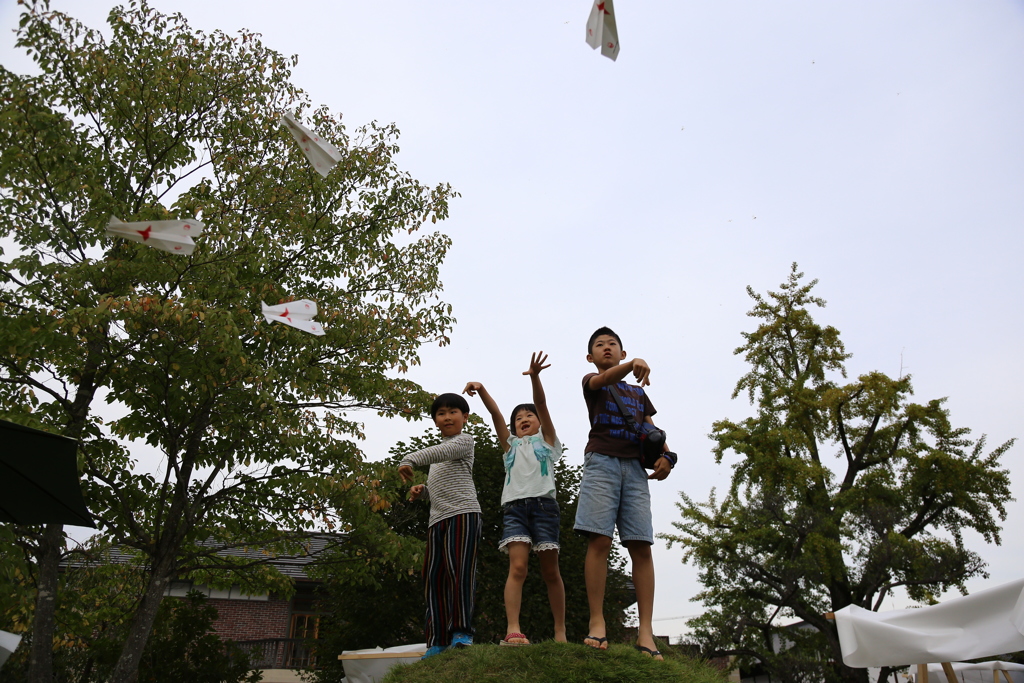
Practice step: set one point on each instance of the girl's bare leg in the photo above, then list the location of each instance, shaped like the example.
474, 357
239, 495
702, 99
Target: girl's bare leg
518, 561
556, 590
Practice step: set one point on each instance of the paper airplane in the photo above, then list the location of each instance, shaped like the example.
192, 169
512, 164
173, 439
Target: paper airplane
172, 236
299, 314
601, 31
322, 154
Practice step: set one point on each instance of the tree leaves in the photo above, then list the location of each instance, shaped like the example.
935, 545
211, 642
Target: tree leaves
161, 120
843, 493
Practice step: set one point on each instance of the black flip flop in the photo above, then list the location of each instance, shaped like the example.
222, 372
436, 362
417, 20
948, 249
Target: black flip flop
600, 640
648, 651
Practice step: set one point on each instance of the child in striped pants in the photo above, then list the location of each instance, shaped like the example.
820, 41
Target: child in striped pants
449, 567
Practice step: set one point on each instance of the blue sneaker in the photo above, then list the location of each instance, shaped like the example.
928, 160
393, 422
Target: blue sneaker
461, 640
433, 650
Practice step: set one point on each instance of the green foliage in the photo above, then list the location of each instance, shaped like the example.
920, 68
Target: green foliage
843, 493
95, 602
391, 611
182, 648
97, 599
552, 662
15, 580
160, 121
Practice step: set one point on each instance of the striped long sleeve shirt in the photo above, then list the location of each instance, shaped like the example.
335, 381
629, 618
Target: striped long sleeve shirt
450, 487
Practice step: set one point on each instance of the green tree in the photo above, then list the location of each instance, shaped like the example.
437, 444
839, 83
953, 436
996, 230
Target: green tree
842, 494
95, 604
160, 121
390, 611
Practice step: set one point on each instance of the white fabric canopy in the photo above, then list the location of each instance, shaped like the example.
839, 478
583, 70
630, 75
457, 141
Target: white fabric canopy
986, 623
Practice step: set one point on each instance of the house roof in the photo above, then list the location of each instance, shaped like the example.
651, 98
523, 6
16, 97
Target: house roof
292, 566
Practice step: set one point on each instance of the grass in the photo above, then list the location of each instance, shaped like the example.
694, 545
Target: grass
555, 663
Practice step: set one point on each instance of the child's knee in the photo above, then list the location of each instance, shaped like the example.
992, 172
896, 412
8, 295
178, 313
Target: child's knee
549, 566
599, 543
639, 550
518, 561
550, 574
517, 571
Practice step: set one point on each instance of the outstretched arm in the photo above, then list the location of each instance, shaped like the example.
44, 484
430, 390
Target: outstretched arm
638, 366
458, 447
474, 388
539, 400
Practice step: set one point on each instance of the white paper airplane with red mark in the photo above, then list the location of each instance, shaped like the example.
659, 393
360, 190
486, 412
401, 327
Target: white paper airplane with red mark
171, 236
322, 154
601, 31
299, 314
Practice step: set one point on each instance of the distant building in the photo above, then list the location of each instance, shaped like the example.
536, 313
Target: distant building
273, 628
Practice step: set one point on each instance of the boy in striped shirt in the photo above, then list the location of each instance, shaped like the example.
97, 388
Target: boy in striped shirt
449, 566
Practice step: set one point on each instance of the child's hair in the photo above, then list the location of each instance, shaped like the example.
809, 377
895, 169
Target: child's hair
600, 332
448, 401
515, 411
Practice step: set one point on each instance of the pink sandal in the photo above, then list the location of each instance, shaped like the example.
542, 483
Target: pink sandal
508, 640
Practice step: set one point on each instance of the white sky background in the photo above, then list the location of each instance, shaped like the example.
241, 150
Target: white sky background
878, 144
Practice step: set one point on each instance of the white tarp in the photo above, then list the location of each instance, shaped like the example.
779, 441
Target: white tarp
373, 670
8, 644
986, 623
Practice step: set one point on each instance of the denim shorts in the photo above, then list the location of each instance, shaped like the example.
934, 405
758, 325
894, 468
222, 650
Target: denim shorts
531, 520
614, 492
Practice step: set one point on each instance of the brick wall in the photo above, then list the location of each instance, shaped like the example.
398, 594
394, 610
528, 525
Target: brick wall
251, 619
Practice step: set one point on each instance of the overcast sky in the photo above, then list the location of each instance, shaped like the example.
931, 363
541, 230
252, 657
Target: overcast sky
878, 144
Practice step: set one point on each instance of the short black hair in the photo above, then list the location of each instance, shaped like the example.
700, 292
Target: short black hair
601, 331
515, 411
448, 401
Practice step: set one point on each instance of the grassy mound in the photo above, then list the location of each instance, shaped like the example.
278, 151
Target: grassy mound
555, 663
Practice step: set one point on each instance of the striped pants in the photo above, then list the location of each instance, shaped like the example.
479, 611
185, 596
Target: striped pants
449, 576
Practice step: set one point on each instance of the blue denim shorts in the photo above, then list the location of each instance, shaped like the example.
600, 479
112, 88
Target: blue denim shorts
531, 520
614, 492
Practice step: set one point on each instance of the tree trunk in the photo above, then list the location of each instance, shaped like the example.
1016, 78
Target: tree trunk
40, 668
127, 668
849, 674
884, 673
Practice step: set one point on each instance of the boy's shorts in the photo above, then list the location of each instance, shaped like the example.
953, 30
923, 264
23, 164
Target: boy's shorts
614, 491
531, 520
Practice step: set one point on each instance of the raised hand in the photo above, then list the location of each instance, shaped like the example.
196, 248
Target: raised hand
472, 388
537, 363
642, 372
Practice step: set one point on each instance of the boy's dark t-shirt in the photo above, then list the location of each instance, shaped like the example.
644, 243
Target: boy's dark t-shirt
609, 434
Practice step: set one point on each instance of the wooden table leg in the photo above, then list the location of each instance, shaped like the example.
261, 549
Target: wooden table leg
922, 673
950, 674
